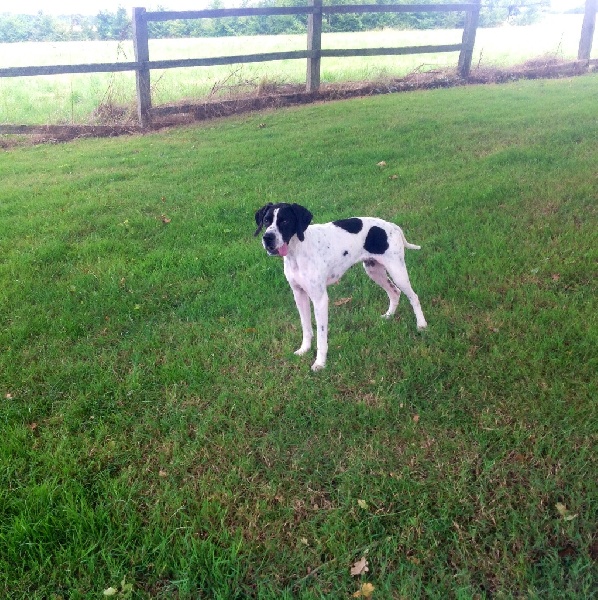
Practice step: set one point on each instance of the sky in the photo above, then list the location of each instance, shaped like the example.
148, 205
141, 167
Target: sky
92, 7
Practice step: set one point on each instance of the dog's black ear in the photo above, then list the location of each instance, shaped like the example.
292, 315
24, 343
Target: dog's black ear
259, 217
303, 217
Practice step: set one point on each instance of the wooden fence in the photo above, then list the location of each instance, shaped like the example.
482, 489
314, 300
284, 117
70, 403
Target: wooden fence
313, 54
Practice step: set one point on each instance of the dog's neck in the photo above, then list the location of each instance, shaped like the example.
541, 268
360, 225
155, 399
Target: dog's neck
294, 248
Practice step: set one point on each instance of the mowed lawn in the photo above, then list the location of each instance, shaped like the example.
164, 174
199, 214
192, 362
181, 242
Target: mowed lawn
159, 437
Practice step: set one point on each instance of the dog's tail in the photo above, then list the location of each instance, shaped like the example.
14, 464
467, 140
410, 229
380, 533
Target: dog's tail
407, 244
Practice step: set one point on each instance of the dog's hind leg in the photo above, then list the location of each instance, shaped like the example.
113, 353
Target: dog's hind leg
398, 271
377, 272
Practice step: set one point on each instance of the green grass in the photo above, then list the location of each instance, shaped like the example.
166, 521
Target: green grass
75, 98
157, 429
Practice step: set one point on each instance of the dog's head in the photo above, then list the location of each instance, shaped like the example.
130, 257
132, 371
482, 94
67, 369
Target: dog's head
282, 221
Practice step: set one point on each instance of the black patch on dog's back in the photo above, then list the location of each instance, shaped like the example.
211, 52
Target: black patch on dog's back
352, 225
376, 241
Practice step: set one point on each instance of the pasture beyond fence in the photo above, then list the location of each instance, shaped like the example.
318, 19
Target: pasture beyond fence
315, 10
313, 54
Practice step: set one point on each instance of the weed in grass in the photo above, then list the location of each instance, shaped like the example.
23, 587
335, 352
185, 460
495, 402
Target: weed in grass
158, 430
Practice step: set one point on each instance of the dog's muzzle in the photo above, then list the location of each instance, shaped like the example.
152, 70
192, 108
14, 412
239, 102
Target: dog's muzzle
270, 244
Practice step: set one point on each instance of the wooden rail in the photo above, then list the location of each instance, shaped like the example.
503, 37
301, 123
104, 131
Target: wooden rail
314, 53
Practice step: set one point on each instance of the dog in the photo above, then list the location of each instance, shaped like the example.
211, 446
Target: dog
316, 256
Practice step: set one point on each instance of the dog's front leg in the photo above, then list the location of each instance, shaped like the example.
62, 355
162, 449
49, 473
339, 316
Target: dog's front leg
303, 306
320, 302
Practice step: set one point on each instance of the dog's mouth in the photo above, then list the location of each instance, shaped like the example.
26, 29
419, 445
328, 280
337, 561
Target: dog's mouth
281, 251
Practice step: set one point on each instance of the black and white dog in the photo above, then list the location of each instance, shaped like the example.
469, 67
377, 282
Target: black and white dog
316, 256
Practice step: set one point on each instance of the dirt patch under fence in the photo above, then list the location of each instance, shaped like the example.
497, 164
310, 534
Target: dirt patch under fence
115, 121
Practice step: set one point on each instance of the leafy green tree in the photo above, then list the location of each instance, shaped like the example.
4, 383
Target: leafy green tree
43, 28
14, 28
523, 12
107, 25
113, 26
77, 27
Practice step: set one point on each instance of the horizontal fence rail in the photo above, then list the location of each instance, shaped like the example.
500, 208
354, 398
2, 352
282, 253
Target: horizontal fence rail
65, 69
314, 53
222, 60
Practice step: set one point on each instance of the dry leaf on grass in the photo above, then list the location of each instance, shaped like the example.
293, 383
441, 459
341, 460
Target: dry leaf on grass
381, 164
564, 511
342, 301
360, 567
365, 591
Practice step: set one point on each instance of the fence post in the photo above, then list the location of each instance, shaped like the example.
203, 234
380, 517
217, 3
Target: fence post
468, 41
142, 73
314, 45
587, 30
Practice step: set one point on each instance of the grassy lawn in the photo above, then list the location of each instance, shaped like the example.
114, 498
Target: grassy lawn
160, 438
75, 98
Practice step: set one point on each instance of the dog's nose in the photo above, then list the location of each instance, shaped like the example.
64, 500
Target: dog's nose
269, 240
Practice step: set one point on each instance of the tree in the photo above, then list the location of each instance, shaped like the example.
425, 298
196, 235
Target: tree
524, 12
14, 28
108, 25
113, 26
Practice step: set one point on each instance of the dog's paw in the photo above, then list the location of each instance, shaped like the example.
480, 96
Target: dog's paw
303, 350
317, 366
422, 326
